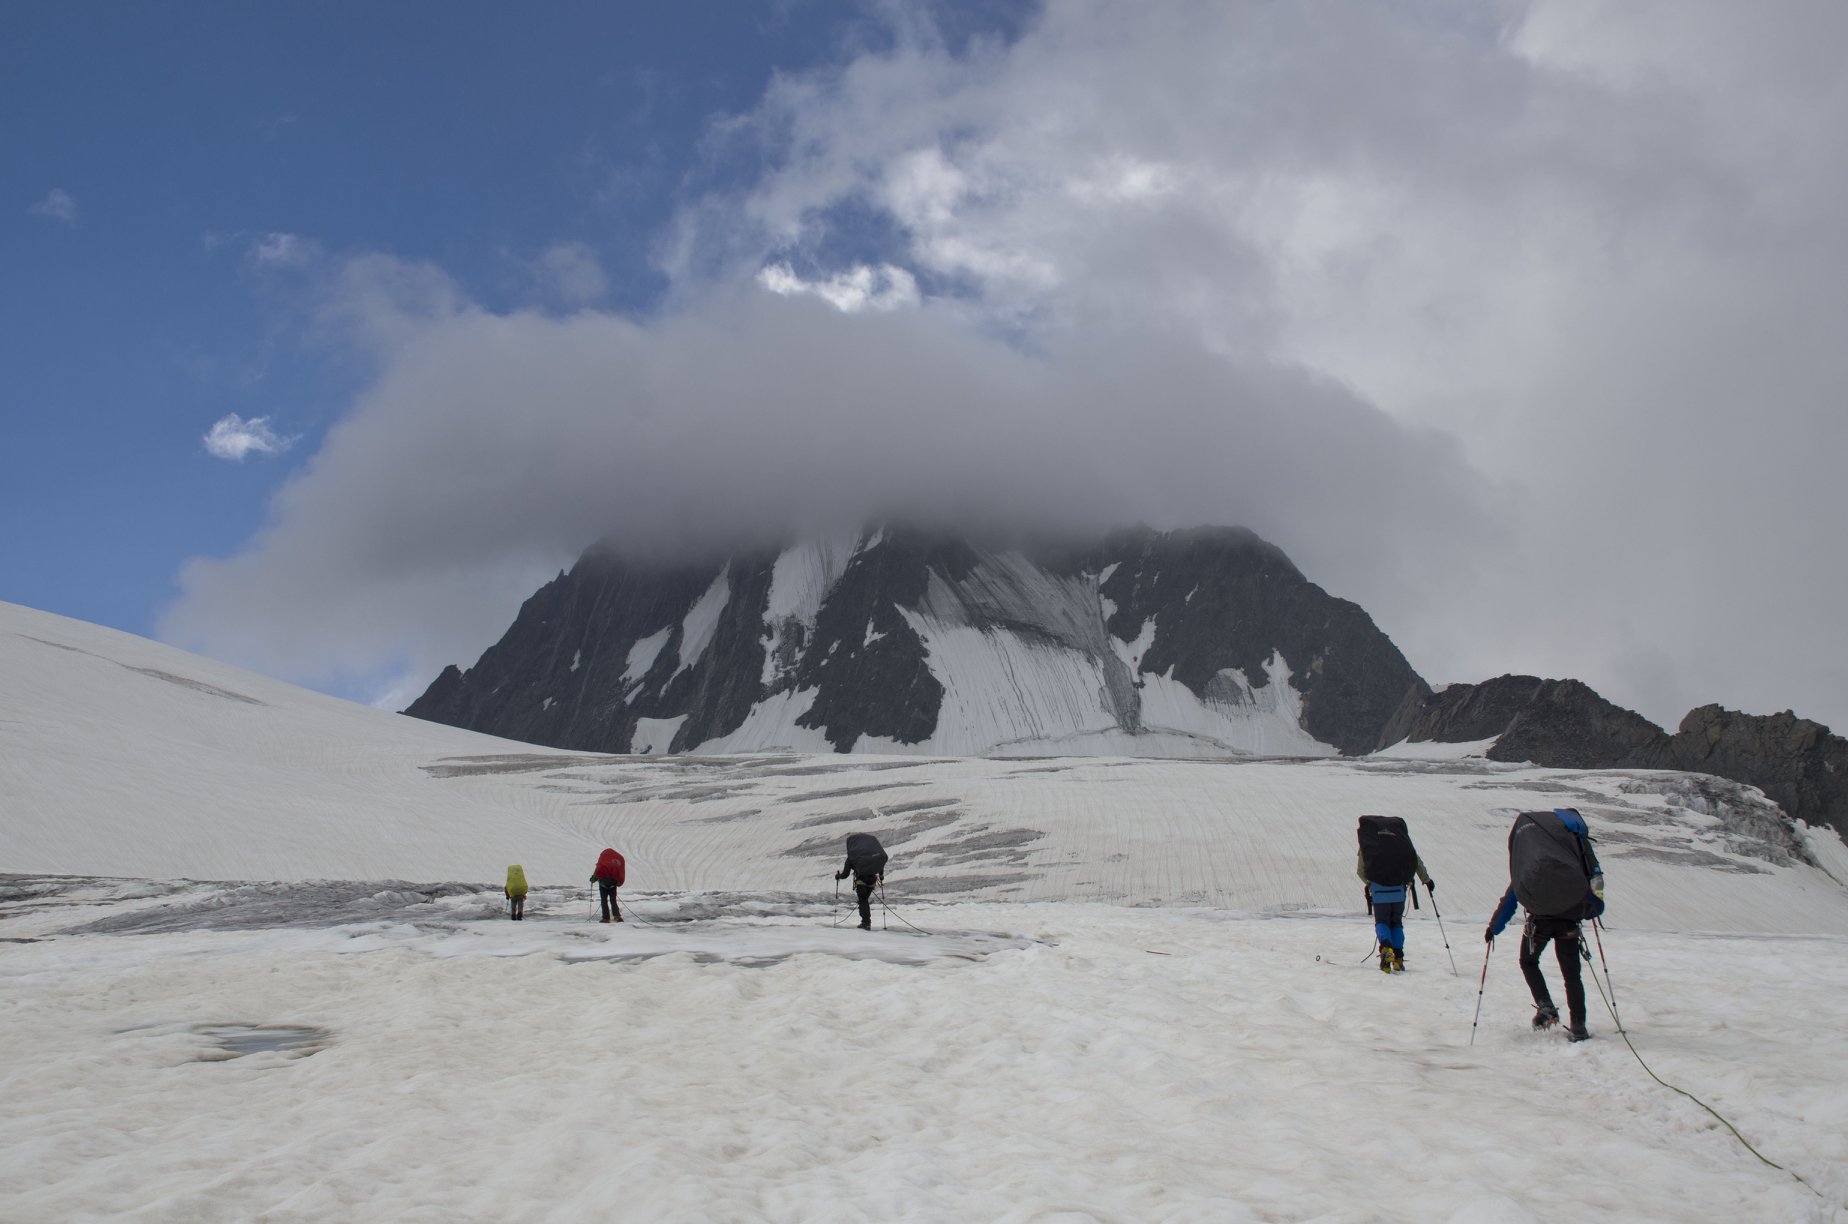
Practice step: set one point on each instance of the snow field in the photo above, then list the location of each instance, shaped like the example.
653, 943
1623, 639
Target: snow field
123, 757
1033, 1058
1082, 1077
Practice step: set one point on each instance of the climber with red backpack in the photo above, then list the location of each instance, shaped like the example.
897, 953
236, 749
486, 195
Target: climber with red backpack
608, 877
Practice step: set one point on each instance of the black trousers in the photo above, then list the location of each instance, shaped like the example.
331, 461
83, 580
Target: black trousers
863, 889
1564, 934
606, 894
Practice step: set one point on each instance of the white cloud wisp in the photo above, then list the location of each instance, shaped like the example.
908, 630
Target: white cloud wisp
234, 438
58, 205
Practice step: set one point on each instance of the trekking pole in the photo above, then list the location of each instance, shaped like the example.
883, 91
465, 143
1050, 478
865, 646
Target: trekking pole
1442, 934
890, 915
837, 901
1596, 926
885, 920
1479, 988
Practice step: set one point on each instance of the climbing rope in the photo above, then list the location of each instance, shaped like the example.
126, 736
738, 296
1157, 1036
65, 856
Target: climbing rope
889, 910
1611, 1006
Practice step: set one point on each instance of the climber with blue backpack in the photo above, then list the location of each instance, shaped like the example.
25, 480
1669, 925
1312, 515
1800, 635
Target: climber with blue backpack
1554, 874
1386, 863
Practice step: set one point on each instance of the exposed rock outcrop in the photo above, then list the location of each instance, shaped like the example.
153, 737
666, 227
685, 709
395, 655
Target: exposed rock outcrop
1796, 762
1565, 724
1562, 724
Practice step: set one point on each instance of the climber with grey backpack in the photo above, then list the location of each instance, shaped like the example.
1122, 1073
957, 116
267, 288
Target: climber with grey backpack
1554, 875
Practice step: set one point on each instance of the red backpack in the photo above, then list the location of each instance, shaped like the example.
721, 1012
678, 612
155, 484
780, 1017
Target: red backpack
610, 867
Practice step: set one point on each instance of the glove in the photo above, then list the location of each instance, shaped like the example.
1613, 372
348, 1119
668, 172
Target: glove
1431, 886
840, 875
1488, 937
1597, 886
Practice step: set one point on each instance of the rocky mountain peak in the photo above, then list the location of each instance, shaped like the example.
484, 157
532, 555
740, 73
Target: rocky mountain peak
897, 639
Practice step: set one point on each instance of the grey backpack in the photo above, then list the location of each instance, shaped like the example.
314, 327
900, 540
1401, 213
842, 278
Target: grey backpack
1547, 863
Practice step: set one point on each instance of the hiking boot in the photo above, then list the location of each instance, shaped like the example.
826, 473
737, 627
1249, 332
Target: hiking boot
1578, 1032
1545, 1017
605, 918
1398, 960
1385, 960
866, 926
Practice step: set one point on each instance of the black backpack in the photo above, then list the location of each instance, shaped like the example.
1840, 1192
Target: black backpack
865, 856
1386, 851
1546, 862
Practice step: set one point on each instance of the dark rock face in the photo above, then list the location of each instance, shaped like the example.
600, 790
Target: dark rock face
560, 675
874, 677
1796, 762
1563, 724
837, 632
1223, 598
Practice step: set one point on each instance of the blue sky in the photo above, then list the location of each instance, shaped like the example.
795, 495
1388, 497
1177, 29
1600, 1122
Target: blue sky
1516, 323
177, 137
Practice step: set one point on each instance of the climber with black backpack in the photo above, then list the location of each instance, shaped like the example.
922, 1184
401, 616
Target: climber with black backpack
866, 862
1554, 874
1386, 864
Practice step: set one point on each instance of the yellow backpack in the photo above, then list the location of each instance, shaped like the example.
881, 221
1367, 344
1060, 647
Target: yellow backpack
516, 881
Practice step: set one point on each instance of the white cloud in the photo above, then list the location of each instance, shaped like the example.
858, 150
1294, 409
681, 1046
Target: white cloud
232, 437
571, 273
57, 205
280, 250
492, 448
886, 287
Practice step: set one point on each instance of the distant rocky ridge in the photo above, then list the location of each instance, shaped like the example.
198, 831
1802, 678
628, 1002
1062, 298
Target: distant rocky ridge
1558, 723
1564, 724
1192, 642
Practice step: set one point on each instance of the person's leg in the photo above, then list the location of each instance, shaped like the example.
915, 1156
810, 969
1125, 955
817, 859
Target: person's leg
1389, 927
865, 894
1567, 947
519, 906
604, 895
1533, 942
615, 905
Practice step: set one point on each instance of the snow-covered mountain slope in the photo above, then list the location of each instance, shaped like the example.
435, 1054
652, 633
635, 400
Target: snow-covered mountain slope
125, 757
1182, 644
